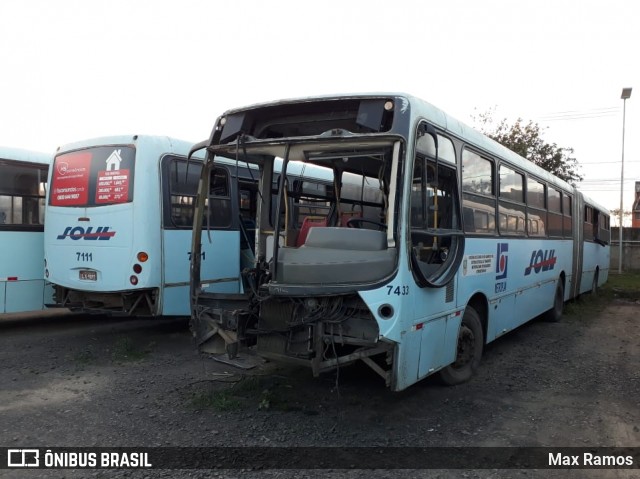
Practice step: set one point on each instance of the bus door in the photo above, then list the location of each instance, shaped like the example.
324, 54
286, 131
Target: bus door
220, 239
437, 246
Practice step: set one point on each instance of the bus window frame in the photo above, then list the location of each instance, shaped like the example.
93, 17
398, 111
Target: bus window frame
40, 198
168, 221
469, 196
510, 203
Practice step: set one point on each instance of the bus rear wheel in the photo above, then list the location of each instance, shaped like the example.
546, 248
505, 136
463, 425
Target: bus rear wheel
469, 350
555, 313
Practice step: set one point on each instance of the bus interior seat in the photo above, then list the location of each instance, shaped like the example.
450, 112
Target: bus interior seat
353, 255
345, 216
308, 223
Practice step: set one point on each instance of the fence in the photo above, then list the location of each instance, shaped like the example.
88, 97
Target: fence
630, 249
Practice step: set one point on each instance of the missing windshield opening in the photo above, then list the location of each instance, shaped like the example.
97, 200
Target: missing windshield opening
309, 119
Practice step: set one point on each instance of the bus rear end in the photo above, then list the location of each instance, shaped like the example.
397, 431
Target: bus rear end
97, 227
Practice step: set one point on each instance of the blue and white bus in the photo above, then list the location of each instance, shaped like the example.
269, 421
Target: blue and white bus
23, 176
119, 218
462, 241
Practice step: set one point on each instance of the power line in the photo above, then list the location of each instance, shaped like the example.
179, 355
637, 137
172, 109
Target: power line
580, 114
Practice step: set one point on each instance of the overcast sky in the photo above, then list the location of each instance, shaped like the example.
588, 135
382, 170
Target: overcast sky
71, 70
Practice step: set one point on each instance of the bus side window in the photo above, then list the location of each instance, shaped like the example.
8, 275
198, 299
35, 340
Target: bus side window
479, 203
183, 184
587, 228
219, 210
5, 210
536, 207
21, 196
554, 204
511, 201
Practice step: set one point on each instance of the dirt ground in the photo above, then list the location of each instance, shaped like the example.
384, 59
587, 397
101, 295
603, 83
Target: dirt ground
94, 381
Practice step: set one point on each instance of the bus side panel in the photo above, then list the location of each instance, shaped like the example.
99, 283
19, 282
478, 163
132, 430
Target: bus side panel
434, 320
22, 258
407, 360
220, 266
432, 346
3, 285
517, 276
500, 316
24, 295
543, 265
220, 261
487, 269
595, 256
175, 267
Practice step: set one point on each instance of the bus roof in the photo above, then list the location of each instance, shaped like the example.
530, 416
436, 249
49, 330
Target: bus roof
166, 143
27, 156
423, 109
593, 203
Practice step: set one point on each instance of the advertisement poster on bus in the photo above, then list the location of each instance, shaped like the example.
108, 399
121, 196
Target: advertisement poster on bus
96, 176
113, 182
70, 185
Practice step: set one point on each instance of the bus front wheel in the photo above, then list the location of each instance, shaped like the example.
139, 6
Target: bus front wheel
469, 350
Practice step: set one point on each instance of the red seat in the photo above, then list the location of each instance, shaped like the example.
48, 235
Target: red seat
345, 216
308, 223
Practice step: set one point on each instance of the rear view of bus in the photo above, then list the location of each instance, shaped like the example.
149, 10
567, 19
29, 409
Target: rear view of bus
119, 226
90, 242
22, 195
103, 245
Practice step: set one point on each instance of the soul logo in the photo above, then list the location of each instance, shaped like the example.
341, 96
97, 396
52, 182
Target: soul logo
78, 232
541, 261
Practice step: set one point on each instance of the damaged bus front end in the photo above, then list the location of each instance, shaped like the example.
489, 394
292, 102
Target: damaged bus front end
326, 232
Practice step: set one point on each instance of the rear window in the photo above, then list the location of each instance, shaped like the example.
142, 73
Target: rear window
97, 176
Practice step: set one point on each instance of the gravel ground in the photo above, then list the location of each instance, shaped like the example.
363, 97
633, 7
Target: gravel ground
93, 381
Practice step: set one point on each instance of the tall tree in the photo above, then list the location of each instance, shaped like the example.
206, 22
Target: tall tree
526, 140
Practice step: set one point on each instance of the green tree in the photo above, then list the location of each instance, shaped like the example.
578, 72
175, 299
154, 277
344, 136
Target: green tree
526, 140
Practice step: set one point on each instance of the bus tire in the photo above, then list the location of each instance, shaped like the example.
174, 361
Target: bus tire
468, 351
594, 285
555, 313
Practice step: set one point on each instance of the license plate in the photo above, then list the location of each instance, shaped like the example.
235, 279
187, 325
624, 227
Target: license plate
86, 275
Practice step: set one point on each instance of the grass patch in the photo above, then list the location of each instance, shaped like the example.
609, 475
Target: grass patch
125, 349
218, 400
250, 393
625, 285
85, 357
